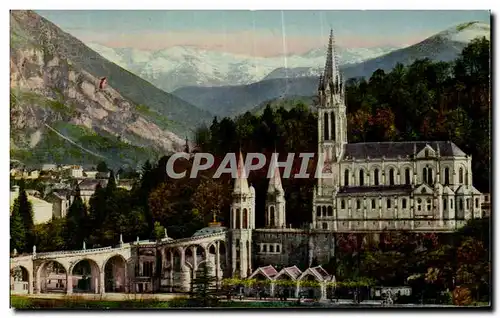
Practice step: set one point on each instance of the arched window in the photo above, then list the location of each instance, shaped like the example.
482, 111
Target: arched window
461, 175
404, 203
419, 204
358, 204
446, 176
346, 177
444, 204
330, 211
388, 203
429, 175
424, 175
271, 248
467, 204
323, 209
245, 218
271, 217
451, 203
342, 204
391, 176
332, 121
326, 124
375, 177
407, 176
277, 248
373, 204
461, 204
318, 211
429, 205
477, 203
238, 219
426, 152
361, 177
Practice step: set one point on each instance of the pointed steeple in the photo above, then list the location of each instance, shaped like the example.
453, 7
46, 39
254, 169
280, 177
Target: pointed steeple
275, 181
331, 74
241, 183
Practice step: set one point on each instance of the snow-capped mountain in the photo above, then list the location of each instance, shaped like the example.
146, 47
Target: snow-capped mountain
232, 100
183, 66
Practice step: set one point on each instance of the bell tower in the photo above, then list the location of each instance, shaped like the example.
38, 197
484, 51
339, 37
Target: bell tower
332, 119
242, 219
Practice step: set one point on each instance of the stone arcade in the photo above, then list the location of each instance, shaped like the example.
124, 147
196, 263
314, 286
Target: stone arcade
365, 188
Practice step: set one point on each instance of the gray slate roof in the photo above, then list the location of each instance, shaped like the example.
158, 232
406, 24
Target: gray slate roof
364, 150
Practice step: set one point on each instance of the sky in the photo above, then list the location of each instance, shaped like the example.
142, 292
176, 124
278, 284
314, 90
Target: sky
257, 33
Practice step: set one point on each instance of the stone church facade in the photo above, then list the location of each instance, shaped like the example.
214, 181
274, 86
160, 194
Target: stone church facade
366, 188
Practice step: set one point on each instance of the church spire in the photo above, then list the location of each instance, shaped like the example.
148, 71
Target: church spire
275, 181
331, 75
241, 183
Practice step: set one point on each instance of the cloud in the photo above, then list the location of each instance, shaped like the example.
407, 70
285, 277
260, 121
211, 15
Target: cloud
262, 43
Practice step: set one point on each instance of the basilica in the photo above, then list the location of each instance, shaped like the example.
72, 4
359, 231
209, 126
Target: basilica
368, 187
362, 188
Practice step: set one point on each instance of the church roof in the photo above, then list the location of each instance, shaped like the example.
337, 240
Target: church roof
364, 150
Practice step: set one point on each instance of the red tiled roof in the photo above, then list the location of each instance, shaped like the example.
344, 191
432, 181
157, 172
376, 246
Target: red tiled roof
269, 270
320, 271
293, 271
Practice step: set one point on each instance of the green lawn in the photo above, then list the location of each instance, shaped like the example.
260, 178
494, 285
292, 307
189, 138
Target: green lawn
23, 302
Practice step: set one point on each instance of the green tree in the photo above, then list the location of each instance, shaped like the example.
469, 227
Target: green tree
23, 207
17, 231
50, 236
76, 222
204, 291
102, 167
159, 231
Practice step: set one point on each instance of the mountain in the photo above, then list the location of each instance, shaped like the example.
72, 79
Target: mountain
182, 66
444, 46
60, 113
232, 100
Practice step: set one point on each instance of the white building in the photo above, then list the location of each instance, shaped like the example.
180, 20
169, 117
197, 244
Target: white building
74, 171
88, 187
42, 210
60, 203
385, 185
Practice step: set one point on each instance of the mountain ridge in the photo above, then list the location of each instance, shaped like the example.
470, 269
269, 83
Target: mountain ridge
181, 66
443, 46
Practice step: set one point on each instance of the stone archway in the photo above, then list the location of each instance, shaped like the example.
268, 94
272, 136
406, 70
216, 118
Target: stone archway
52, 277
20, 280
85, 277
115, 275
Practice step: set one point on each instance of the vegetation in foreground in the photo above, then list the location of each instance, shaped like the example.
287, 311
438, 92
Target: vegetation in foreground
26, 303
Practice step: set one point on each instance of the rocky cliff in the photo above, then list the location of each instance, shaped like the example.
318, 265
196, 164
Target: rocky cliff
65, 95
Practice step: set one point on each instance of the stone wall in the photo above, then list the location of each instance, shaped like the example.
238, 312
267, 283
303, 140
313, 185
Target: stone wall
296, 247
